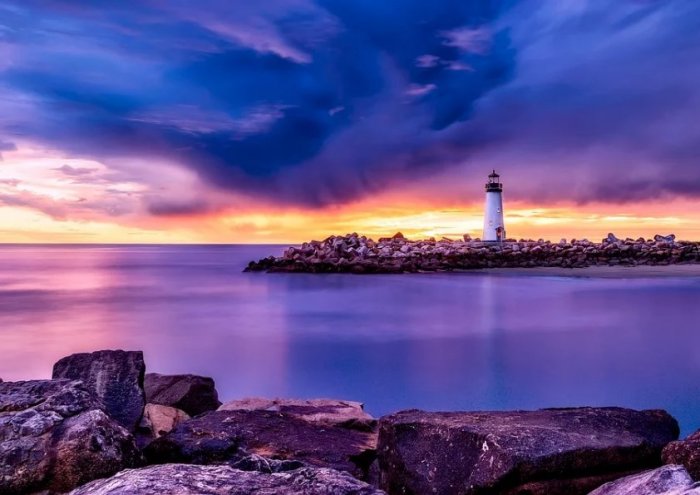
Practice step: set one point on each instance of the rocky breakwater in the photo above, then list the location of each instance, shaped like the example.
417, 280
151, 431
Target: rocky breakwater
104, 426
358, 254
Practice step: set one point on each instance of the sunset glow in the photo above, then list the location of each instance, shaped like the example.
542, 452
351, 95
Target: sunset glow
56, 199
214, 132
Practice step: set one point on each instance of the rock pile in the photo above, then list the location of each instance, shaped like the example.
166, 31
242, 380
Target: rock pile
358, 254
66, 434
102, 416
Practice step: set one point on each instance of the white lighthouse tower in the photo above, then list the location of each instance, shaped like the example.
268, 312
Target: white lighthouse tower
494, 227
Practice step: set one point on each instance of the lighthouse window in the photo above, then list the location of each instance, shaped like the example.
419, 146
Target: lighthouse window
498, 210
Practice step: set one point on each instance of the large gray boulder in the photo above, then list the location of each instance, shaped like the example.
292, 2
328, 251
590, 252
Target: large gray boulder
227, 436
666, 480
685, 452
184, 479
115, 377
550, 451
54, 436
190, 393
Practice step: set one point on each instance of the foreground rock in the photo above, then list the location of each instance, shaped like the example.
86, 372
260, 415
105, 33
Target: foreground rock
685, 452
359, 254
666, 480
54, 436
183, 479
115, 377
325, 411
227, 436
190, 393
550, 451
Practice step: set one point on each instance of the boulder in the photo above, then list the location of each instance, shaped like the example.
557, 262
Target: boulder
158, 420
665, 238
183, 479
54, 436
666, 480
550, 451
92, 446
227, 436
115, 377
190, 393
686, 453
328, 411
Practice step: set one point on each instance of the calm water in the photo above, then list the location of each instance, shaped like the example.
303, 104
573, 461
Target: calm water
442, 341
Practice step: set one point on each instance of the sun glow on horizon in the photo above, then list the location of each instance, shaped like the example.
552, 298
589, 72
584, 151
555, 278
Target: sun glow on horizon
22, 224
47, 198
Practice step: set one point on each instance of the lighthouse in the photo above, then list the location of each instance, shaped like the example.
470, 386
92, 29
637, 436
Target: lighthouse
494, 227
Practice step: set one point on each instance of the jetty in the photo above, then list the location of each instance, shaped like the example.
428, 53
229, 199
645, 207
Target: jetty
354, 253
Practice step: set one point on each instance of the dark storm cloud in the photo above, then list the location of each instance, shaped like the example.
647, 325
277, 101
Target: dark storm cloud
316, 102
604, 103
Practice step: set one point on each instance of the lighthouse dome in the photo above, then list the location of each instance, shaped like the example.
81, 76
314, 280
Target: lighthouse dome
494, 184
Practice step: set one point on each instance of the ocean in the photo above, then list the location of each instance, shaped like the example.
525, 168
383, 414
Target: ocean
448, 341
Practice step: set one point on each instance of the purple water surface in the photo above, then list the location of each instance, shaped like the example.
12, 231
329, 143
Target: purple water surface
469, 341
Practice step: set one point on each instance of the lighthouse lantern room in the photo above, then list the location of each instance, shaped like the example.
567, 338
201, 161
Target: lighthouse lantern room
494, 227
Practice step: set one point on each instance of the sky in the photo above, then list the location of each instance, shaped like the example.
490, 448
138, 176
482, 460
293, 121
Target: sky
286, 120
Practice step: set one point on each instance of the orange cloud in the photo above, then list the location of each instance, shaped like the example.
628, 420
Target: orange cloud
47, 198
379, 217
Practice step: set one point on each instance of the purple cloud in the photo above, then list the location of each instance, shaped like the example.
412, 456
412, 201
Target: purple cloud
321, 102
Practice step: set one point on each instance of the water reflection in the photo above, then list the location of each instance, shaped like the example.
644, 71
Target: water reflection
462, 341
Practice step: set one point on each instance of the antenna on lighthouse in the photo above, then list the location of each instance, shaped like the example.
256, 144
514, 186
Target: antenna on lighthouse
494, 226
